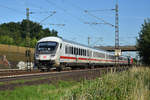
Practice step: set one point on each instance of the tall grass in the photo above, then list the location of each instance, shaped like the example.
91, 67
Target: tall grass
133, 84
129, 85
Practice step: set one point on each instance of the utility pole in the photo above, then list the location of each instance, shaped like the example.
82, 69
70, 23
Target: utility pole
28, 51
117, 50
88, 41
116, 27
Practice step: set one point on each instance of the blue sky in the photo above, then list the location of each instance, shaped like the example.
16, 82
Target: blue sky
71, 13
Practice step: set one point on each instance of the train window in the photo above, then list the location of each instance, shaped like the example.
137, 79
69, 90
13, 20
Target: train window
71, 50
68, 49
94, 55
77, 51
83, 52
60, 45
99, 55
88, 53
65, 49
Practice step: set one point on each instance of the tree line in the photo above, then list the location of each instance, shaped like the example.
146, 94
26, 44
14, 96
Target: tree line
143, 42
15, 33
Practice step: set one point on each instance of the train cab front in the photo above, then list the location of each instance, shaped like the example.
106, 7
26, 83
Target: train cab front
45, 54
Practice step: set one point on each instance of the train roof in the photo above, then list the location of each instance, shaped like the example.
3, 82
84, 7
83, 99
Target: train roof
59, 39
84, 45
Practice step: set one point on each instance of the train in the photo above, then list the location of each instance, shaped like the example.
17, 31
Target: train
56, 52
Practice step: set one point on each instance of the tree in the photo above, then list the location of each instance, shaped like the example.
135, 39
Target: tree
143, 42
6, 40
33, 42
16, 33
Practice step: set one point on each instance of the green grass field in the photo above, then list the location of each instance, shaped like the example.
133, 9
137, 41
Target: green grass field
128, 85
14, 54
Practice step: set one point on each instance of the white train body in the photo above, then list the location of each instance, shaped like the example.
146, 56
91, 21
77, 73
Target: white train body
54, 52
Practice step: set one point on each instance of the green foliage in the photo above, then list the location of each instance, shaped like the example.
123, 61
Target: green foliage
143, 43
6, 40
16, 33
40, 92
133, 84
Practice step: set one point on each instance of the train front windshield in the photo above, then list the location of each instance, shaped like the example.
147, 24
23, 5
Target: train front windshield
47, 47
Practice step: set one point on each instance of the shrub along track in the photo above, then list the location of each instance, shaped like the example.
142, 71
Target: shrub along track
11, 83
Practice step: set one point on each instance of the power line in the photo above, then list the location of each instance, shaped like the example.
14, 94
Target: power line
100, 10
104, 22
43, 12
48, 16
61, 8
28, 13
12, 9
56, 24
82, 10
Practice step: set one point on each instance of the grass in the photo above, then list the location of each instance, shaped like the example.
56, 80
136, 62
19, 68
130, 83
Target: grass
14, 54
21, 81
40, 92
128, 85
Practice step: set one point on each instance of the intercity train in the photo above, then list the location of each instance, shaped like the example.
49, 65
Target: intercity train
56, 52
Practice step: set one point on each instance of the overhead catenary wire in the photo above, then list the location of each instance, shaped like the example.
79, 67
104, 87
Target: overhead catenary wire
53, 12
47, 17
104, 22
67, 12
12, 9
82, 10
92, 23
87, 11
55, 24
101, 10
61, 8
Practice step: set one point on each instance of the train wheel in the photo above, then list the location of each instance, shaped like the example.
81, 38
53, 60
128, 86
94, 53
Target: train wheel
59, 68
48, 69
42, 70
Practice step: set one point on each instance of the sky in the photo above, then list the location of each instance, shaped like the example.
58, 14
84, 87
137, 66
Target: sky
72, 13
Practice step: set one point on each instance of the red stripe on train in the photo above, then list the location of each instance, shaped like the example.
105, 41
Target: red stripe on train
65, 57
74, 58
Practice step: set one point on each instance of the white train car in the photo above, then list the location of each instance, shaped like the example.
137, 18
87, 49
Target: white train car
57, 52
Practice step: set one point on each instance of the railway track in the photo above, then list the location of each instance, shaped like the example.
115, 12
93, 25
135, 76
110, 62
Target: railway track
11, 82
36, 74
9, 72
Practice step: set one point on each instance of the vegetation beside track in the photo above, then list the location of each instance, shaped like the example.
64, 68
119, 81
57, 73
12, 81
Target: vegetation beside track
14, 54
133, 84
